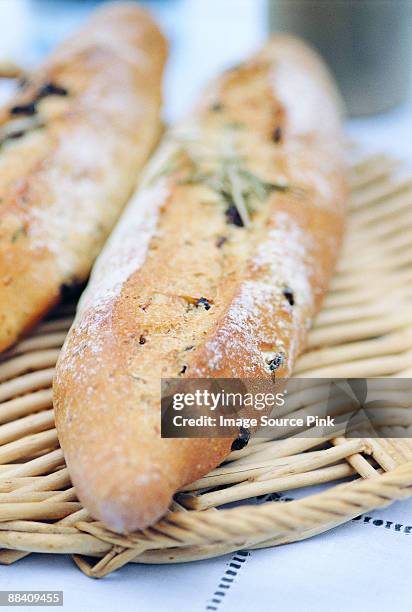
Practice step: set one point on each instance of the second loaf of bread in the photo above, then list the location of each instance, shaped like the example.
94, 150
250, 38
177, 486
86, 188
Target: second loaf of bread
72, 143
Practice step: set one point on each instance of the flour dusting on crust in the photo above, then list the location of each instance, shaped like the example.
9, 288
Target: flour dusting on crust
282, 261
126, 249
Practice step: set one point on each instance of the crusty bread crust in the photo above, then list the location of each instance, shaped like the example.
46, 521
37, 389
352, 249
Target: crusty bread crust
270, 130
71, 145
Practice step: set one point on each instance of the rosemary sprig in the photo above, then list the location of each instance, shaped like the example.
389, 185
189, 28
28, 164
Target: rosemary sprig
235, 184
18, 233
227, 176
239, 197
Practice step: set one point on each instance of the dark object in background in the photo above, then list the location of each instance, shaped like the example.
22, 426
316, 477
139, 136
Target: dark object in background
367, 43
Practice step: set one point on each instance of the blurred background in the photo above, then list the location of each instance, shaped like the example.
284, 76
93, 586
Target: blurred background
368, 44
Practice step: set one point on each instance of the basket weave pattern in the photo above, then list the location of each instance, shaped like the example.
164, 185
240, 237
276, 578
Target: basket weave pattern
364, 330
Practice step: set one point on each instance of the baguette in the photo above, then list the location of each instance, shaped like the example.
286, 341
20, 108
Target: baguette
216, 269
71, 145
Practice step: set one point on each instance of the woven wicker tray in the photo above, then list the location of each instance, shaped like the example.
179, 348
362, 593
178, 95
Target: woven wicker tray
364, 330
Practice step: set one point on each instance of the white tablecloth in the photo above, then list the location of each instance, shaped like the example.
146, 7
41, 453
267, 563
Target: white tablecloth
364, 565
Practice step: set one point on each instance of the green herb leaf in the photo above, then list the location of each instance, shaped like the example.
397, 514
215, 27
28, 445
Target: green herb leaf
18, 233
228, 177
